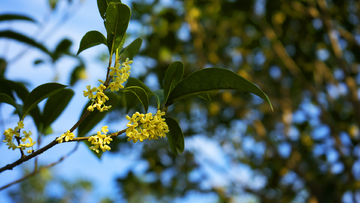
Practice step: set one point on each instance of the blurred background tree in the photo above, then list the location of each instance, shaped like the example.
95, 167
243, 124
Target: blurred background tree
303, 54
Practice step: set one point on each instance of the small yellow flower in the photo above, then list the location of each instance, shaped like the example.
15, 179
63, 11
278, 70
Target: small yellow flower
90, 92
100, 140
20, 125
68, 136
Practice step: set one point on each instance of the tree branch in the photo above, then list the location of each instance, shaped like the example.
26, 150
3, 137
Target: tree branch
50, 145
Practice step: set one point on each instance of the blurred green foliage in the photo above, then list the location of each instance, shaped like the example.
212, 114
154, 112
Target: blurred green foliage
49, 187
303, 54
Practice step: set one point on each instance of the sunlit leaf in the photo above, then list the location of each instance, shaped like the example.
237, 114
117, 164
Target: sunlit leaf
90, 39
102, 6
39, 93
213, 79
117, 21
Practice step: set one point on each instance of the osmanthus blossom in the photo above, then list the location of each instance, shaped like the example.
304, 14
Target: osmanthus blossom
101, 140
11, 134
66, 136
146, 126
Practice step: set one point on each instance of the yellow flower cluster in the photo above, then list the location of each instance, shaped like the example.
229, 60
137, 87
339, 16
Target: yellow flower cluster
119, 76
99, 98
100, 140
10, 134
68, 136
146, 126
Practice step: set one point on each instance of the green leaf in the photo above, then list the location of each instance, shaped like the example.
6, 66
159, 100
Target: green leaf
62, 48
48, 131
22, 93
4, 88
175, 136
19, 88
141, 95
7, 99
90, 39
102, 6
7, 17
159, 95
55, 105
131, 50
39, 93
22, 38
172, 77
95, 117
205, 97
130, 98
116, 23
213, 79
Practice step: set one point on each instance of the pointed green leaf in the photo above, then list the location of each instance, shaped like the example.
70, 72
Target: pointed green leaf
7, 99
90, 39
7, 17
175, 136
172, 77
22, 92
39, 93
130, 98
22, 38
55, 105
131, 50
95, 117
141, 95
102, 6
213, 79
116, 23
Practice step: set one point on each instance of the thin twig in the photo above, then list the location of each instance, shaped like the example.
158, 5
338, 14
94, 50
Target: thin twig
50, 145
